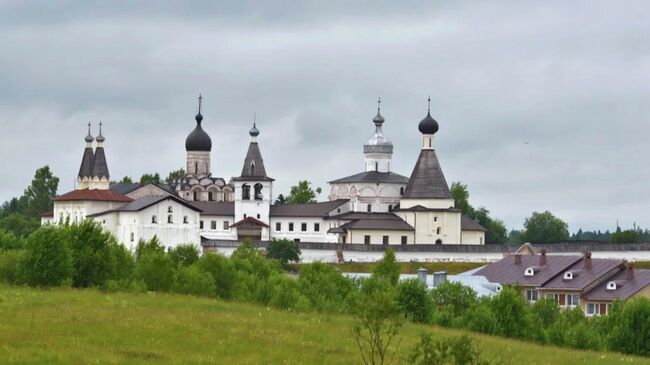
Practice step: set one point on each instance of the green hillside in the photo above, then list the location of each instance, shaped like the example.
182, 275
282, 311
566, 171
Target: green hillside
67, 326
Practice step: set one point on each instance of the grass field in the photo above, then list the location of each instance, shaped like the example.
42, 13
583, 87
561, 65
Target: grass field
66, 326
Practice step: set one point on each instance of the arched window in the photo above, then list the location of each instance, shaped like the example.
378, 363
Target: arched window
196, 168
154, 219
401, 191
132, 237
185, 220
258, 191
390, 207
376, 166
170, 219
253, 168
435, 219
169, 209
246, 192
210, 196
438, 230
438, 241
369, 208
195, 195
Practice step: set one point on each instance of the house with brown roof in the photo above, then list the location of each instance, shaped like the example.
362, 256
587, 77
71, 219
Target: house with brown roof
626, 284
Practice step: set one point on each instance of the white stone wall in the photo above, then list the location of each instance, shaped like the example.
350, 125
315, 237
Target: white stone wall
472, 237
258, 209
78, 210
219, 232
310, 235
427, 224
381, 197
376, 236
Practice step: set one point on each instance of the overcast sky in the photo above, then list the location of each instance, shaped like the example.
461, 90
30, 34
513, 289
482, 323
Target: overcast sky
541, 105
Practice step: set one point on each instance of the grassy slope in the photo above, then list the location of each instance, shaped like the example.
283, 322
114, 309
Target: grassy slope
65, 326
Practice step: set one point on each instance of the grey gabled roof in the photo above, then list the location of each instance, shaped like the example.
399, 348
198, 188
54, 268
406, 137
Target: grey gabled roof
100, 167
506, 271
124, 188
320, 209
625, 286
427, 179
215, 208
379, 221
86, 168
468, 224
253, 168
146, 202
373, 177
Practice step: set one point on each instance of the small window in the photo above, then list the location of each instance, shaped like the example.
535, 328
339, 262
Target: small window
390, 207
258, 216
401, 191
170, 210
226, 225
338, 210
480, 239
435, 218
366, 239
132, 237
210, 196
213, 225
290, 227
438, 230
170, 219
404, 240
186, 220
532, 295
316, 227
369, 209
278, 227
384, 240
154, 219
200, 224
245, 215
376, 166
303, 227
296, 240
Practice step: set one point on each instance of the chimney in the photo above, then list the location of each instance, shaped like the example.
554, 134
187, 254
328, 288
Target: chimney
542, 257
422, 275
439, 277
587, 255
517, 259
630, 271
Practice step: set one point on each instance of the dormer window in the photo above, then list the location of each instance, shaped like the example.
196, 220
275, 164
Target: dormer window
611, 285
568, 275
529, 271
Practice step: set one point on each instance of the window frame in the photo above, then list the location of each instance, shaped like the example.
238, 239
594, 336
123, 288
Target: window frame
316, 227
278, 226
366, 239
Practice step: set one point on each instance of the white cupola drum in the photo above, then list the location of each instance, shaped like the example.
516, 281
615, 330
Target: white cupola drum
378, 150
198, 145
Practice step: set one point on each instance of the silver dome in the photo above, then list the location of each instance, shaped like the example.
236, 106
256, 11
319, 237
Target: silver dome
378, 143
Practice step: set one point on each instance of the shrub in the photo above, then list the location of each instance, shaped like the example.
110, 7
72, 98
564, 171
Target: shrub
572, 329
286, 294
324, 287
630, 332
414, 299
192, 280
284, 251
94, 253
156, 270
387, 268
19, 224
150, 246
222, 271
9, 261
511, 314
546, 311
480, 317
457, 351
253, 274
452, 299
9, 241
184, 255
47, 260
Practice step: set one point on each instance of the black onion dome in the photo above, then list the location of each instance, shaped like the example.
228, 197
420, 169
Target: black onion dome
378, 119
428, 125
254, 132
198, 140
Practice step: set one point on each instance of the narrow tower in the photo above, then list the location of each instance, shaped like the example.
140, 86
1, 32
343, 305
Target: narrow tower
100, 176
198, 146
378, 150
85, 170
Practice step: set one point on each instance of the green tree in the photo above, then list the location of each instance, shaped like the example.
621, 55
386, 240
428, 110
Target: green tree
627, 236
280, 199
496, 232
150, 178
546, 311
9, 266
545, 228
39, 193
194, 281
156, 270
47, 260
452, 299
387, 268
143, 247
184, 255
303, 193
174, 175
414, 299
325, 288
9, 241
630, 332
222, 271
511, 315
284, 251
460, 194
378, 321
19, 224
126, 180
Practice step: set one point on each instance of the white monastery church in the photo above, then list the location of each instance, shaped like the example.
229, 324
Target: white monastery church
373, 207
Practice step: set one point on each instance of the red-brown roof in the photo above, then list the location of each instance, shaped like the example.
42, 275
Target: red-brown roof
625, 286
250, 220
585, 273
506, 271
94, 194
